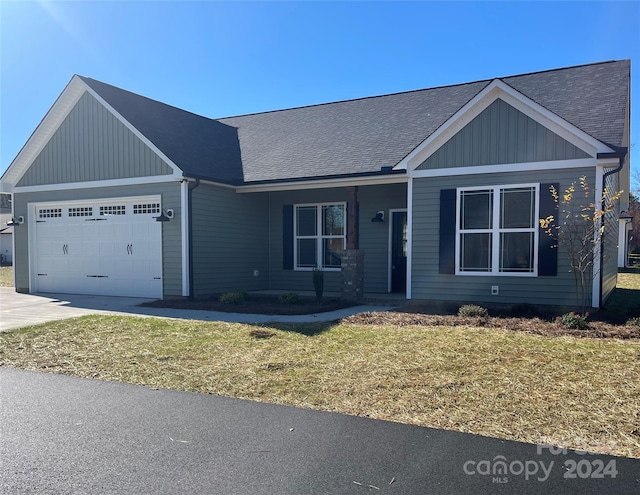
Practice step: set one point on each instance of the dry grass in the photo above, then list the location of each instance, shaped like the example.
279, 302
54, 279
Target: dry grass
575, 392
6, 276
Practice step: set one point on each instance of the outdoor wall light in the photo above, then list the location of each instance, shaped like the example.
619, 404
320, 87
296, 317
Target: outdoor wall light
379, 217
14, 222
165, 215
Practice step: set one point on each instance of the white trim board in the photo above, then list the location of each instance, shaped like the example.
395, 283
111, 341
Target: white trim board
133, 181
52, 122
47, 127
507, 167
324, 183
184, 234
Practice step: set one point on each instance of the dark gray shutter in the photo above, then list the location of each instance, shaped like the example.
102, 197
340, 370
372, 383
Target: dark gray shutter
287, 237
447, 231
547, 248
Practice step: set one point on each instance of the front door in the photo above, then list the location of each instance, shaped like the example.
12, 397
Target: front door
399, 251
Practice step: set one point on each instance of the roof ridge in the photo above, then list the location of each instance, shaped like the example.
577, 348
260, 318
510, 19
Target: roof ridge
348, 100
563, 68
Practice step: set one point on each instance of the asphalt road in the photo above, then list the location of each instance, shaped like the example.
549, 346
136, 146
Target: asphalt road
64, 435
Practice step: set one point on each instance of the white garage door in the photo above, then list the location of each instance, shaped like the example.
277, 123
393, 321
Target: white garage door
106, 247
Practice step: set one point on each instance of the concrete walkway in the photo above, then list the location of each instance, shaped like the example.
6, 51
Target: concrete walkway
70, 435
20, 310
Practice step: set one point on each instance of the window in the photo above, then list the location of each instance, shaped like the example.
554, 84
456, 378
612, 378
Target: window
319, 235
49, 212
81, 211
113, 210
497, 230
146, 208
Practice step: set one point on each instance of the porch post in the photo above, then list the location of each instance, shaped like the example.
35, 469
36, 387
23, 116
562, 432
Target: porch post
353, 257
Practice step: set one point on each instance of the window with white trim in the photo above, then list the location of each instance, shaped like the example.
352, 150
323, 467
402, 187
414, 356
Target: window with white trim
497, 231
320, 235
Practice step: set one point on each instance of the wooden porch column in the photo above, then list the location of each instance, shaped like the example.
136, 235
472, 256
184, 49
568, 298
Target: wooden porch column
353, 257
353, 233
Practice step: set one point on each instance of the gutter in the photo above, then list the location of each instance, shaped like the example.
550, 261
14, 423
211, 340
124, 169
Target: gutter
240, 184
620, 154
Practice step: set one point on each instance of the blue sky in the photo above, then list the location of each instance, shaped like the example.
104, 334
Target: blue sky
228, 58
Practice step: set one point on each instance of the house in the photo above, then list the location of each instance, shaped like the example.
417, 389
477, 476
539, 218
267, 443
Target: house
6, 230
434, 193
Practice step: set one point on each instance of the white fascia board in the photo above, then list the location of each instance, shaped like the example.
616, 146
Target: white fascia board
324, 183
134, 181
498, 89
43, 133
507, 167
52, 122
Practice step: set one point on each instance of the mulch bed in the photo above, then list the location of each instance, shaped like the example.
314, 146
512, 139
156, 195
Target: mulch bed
535, 325
254, 304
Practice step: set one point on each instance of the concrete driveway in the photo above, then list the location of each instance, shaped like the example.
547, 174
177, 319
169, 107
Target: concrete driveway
70, 435
20, 310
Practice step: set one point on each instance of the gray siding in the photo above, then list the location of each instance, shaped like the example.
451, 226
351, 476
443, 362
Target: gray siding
501, 134
91, 144
374, 237
610, 241
230, 240
428, 283
171, 237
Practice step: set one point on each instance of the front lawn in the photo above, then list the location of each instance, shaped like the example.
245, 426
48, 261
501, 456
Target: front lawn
576, 392
6, 276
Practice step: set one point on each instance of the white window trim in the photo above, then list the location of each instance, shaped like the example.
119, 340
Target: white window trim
319, 237
496, 231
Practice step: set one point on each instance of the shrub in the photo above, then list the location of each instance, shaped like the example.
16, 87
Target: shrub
318, 282
233, 297
289, 298
473, 310
573, 320
635, 321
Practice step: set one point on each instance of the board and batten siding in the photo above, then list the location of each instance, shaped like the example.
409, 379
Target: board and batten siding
171, 231
500, 134
92, 144
230, 240
428, 283
374, 237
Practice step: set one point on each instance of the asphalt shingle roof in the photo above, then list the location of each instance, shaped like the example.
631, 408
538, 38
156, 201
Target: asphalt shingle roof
358, 136
198, 145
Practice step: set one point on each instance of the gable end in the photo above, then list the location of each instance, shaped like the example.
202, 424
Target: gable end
501, 134
91, 144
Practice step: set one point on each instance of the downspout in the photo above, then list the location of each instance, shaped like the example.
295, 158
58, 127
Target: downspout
616, 170
190, 203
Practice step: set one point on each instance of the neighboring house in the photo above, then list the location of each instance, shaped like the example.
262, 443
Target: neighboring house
6, 239
433, 193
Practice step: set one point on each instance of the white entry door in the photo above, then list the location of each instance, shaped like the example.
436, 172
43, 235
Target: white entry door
103, 247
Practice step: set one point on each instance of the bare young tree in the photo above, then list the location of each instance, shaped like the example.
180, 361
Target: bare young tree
579, 230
